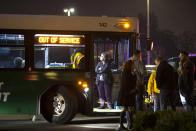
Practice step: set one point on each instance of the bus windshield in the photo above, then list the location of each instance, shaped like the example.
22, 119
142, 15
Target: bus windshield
59, 51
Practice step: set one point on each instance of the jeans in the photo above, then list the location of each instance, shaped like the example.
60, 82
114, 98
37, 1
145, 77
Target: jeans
156, 102
167, 97
104, 89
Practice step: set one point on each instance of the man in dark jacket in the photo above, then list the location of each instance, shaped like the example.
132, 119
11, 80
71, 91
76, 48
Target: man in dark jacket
165, 83
186, 80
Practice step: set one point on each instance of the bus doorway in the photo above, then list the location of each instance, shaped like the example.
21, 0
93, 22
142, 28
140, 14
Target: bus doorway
118, 50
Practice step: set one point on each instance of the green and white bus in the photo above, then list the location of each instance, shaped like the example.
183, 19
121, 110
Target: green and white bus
36, 71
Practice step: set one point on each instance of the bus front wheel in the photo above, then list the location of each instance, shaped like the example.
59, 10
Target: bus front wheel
59, 106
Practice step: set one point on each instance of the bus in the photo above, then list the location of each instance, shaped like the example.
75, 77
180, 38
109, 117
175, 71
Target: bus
37, 75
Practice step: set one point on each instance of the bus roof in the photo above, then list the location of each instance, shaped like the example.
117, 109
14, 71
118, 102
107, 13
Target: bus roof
69, 23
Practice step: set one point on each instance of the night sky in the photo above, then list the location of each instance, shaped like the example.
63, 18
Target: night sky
175, 15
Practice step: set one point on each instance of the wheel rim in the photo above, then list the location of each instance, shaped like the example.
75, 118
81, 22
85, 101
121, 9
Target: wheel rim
59, 105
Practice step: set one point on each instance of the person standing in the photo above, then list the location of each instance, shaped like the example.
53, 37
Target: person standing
104, 81
185, 80
165, 79
153, 91
127, 94
77, 60
141, 72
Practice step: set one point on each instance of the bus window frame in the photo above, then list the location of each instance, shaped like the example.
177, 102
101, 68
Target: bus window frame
17, 32
29, 42
86, 50
117, 36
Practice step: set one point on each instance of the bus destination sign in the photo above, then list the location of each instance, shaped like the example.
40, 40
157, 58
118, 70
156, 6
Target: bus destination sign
58, 40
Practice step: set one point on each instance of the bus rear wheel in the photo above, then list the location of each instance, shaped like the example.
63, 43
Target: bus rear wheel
59, 106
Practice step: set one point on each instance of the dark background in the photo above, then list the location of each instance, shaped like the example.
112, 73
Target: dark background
173, 22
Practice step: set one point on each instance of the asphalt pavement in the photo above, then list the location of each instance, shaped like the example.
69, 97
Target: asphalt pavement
79, 123
102, 122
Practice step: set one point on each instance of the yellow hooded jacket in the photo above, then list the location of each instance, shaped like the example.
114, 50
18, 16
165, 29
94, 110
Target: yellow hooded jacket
152, 85
78, 56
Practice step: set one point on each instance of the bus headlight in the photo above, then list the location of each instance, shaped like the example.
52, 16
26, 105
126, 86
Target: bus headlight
86, 89
79, 82
84, 85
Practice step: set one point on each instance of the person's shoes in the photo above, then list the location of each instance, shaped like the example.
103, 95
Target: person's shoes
129, 129
121, 128
101, 107
109, 107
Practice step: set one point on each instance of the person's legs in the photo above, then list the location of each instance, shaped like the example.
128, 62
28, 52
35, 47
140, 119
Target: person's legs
156, 103
189, 101
172, 100
108, 93
129, 115
163, 100
101, 93
184, 102
122, 118
139, 99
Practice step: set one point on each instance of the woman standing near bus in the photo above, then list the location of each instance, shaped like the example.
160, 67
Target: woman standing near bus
127, 94
104, 81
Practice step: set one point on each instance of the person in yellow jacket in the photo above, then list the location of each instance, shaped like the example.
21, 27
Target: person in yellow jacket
77, 60
153, 91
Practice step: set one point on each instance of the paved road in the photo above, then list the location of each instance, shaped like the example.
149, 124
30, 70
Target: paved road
80, 123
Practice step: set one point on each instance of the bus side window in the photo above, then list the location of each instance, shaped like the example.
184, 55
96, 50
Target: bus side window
12, 51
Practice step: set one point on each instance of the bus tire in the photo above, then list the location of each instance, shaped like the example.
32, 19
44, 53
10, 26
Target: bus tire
59, 106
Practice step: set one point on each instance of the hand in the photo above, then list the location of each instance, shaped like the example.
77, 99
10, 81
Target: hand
143, 83
180, 64
153, 96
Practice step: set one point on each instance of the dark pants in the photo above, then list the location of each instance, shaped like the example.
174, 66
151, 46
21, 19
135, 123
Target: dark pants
139, 98
104, 90
166, 98
187, 101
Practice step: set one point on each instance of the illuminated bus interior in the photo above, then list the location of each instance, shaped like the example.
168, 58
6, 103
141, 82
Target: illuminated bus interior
118, 52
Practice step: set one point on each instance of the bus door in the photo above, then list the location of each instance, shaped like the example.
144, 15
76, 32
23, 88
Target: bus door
117, 50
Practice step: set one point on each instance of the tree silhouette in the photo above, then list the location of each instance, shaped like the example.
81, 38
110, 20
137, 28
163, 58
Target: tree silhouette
164, 40
187, 41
